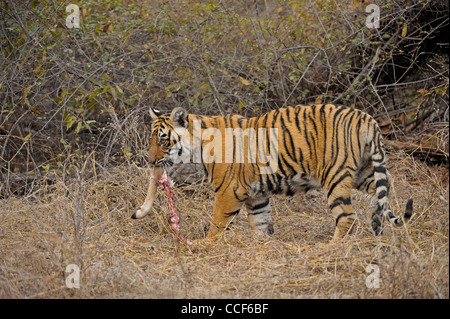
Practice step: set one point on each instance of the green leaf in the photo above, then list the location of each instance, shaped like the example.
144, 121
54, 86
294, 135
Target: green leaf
167, 89
79, 127
70, 121
26, 138
120, 91
244, 81
113, 93
127, 150
404, 30
106, 88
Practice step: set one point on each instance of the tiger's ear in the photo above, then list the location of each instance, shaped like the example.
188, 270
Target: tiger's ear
154, 113
179, 117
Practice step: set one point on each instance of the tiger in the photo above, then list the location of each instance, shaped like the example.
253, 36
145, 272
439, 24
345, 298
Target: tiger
331, 147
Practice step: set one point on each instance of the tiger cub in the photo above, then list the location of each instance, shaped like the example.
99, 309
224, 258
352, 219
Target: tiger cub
284, 151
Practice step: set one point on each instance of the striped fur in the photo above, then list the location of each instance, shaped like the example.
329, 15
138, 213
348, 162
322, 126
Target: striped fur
334, 147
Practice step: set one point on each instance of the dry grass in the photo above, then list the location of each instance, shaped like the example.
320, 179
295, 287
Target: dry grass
87, 222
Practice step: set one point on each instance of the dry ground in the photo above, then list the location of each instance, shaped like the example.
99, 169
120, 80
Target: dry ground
86, 221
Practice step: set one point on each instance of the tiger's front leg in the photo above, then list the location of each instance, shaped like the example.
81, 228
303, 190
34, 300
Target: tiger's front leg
151, 193
225, 210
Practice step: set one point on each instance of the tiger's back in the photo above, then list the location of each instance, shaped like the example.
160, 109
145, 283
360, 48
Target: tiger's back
315, 143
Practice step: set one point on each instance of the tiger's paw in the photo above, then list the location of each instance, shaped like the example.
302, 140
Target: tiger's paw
376, 224
139, 214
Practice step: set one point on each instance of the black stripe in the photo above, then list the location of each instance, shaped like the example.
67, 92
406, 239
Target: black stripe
305, 131
368, 185
380, 169
382, 194
284, 165
409, 208
313, 121
237, 195
221, 183
260, 212
275, 115
283, 123
232, 213
297, 122
355, 156
323, 119
333, 186
291, 192
269, 184
288, 138
341, 200
213, 165
260, 205
381, 182
292, 169
381, 160
343, 215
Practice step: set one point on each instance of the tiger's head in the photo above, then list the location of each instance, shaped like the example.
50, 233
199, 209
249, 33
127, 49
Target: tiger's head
168, 130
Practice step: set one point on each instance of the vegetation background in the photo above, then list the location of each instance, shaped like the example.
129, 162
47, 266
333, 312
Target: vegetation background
74, 137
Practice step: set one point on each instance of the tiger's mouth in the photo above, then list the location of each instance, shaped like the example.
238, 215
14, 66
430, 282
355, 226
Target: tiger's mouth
164, 162
169, 158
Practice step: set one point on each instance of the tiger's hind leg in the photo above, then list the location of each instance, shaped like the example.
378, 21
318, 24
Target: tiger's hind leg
339, 200
259, 214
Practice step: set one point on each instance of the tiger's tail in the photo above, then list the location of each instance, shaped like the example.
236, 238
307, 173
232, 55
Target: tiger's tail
382, 188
